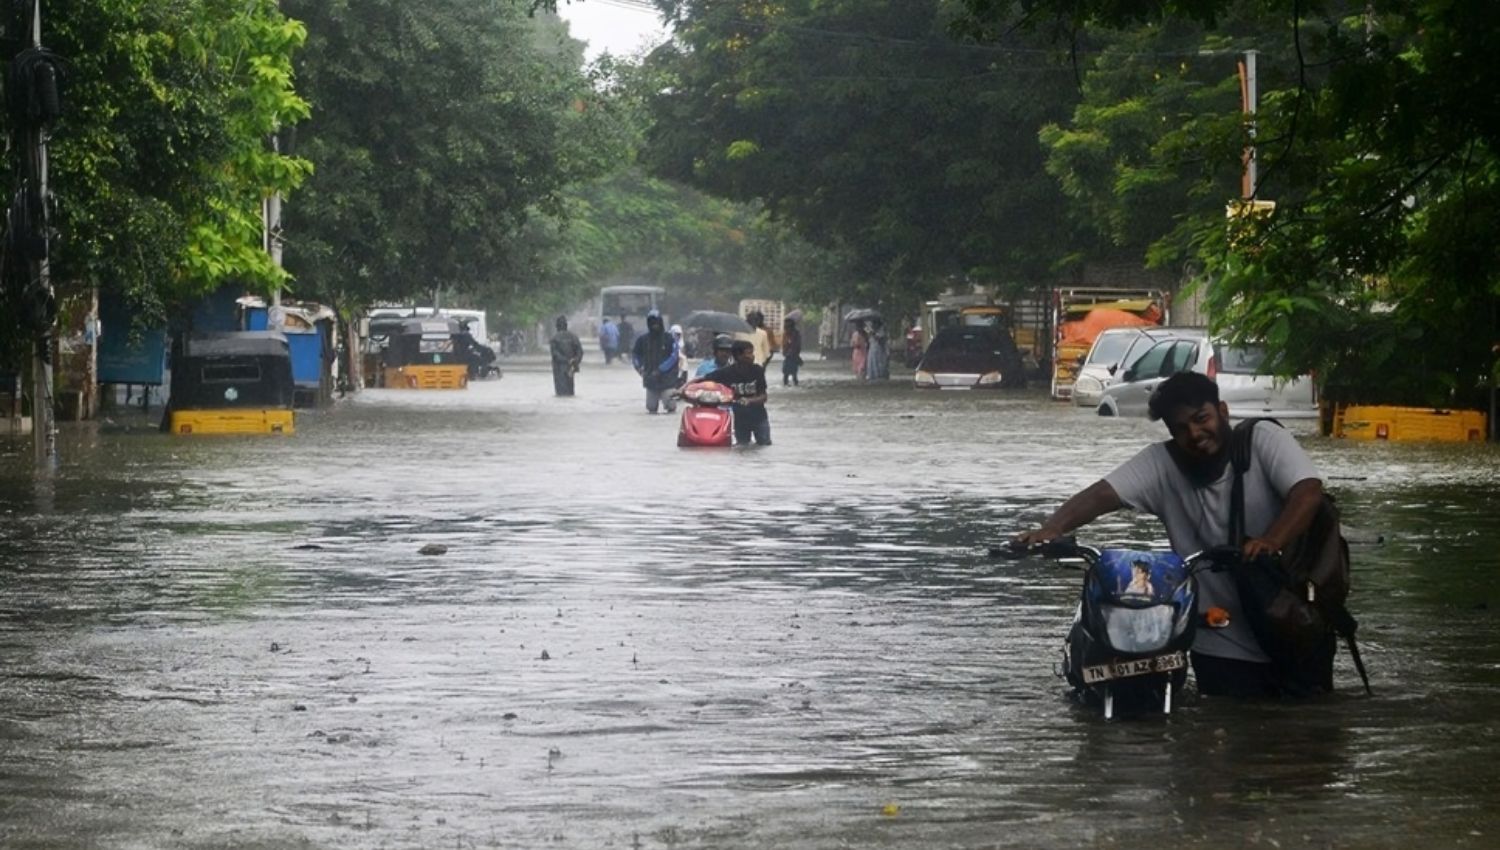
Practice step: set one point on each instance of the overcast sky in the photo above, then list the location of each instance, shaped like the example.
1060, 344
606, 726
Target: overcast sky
617, 27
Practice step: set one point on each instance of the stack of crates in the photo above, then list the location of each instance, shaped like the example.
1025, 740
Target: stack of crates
774, 311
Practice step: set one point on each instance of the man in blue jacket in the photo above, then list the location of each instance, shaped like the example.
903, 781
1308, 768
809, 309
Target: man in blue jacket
655, 358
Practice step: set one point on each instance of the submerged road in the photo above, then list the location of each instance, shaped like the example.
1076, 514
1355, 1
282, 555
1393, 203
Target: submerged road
238, 643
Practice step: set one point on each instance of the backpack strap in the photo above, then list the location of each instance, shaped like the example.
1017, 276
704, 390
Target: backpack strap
1239, 458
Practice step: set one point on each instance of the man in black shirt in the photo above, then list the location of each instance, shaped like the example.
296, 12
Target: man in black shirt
748, 380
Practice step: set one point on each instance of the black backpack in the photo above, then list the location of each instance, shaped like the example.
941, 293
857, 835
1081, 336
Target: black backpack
1295, 605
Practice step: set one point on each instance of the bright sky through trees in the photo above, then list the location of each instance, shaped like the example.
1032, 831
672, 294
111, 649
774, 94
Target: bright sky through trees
620, 27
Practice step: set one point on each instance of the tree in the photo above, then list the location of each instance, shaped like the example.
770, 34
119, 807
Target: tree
872, 130
1378, 140
444, 132
159, 163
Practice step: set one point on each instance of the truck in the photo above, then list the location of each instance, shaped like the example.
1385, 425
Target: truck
1079, 314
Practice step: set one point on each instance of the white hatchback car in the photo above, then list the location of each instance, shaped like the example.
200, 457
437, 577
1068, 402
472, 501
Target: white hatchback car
1236, 369
1113, 352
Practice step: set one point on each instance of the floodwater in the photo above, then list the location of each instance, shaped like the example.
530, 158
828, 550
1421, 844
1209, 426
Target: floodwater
225, 642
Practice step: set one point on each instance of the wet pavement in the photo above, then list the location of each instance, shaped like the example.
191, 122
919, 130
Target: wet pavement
228, 642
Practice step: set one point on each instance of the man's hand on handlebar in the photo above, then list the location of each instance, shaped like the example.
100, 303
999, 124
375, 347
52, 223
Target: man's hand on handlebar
1258, 547
1035, 537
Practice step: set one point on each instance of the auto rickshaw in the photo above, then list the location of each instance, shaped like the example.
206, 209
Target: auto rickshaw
422, 355
232, 383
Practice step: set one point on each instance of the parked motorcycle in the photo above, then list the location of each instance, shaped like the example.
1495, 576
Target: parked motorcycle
706, 418
1127, 650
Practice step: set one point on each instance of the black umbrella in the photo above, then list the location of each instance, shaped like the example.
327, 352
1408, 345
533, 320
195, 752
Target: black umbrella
860, 313
719, 323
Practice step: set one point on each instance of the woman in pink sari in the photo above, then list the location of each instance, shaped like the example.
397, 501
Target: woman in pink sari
859, 341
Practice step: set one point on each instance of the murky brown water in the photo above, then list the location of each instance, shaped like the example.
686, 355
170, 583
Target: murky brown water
235, 642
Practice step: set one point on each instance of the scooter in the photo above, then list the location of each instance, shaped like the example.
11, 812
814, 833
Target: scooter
1128, 646
706, 417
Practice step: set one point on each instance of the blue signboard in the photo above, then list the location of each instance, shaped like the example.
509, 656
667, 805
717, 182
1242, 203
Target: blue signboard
123, 360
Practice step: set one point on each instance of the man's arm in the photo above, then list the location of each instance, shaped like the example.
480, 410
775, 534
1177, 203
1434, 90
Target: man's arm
1296, 515
1084, 507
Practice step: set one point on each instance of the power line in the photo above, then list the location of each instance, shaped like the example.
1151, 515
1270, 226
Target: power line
631, 5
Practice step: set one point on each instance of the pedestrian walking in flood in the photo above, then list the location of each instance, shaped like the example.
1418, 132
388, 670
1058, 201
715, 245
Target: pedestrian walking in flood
791, 351
567, 357
859, 345
682, 353
878, 356
760, 337
656, 357
627, 336
748, 380
723, 355
609, 341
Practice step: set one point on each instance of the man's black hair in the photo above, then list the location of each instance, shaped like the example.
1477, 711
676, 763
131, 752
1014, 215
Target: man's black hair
742, 345
1184, 389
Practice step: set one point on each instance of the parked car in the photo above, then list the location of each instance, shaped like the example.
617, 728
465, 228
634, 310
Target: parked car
1114, 351
970, 357
1236, 368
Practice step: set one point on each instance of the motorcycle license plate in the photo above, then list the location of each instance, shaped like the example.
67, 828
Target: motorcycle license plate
1134, 667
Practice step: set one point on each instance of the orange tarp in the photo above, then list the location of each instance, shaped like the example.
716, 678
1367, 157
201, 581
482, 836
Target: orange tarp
1082, 332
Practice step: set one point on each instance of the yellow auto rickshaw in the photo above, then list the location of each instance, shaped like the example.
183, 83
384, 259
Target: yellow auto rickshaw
422, 354
232, 383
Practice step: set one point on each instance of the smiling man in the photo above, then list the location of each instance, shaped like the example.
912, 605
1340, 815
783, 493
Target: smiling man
1186, 482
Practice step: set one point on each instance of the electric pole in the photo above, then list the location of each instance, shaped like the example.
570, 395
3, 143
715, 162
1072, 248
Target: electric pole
1249, 96
34, 101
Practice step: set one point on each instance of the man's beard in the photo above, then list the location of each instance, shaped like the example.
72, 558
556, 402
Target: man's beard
1203, 471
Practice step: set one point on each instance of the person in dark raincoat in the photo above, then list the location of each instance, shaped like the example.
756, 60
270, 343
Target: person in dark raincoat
655, 357
567, 356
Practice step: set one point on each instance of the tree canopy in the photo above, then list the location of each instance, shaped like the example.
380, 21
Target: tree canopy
158, 163
1376, 133
872, 130
441, 130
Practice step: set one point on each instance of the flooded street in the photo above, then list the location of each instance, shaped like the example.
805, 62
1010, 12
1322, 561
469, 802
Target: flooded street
238, 643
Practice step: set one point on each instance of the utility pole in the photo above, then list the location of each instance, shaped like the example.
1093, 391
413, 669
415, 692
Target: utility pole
44, 407
34, 102
1249, 95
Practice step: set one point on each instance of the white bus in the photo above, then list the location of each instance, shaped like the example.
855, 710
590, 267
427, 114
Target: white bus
632, 302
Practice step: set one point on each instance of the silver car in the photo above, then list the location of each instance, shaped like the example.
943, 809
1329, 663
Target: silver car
1236, 369
1113, 352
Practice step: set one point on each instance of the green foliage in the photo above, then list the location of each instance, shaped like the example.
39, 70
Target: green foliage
707, 251
444, 133
159, 163
869, 128
1377, 136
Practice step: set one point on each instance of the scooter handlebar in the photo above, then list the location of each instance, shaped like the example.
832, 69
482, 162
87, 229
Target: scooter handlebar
1215, 558
1062, 547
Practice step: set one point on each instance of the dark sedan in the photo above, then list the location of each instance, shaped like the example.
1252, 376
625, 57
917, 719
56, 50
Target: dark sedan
970, 357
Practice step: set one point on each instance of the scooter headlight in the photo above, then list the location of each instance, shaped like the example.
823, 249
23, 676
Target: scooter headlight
1138, 629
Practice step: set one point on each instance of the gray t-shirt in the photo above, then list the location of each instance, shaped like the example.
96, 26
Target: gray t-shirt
1197, 518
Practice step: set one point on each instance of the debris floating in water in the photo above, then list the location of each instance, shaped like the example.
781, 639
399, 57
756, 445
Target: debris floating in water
433, 549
